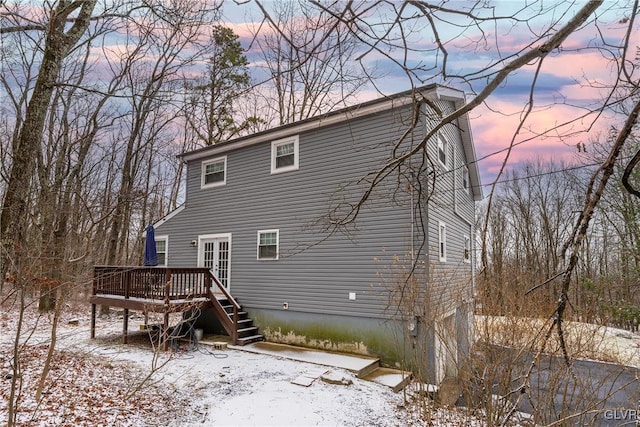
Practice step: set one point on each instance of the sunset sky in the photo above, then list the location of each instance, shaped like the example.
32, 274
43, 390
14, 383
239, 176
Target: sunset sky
563, 93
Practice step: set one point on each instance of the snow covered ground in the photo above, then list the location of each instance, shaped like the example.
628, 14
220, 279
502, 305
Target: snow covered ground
584, 340
102, 382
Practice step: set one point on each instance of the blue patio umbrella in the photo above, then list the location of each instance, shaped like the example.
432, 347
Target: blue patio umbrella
150, 257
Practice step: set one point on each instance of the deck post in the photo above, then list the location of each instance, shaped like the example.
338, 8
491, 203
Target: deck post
207, 283
165, 330
235, 325
165, 325
93, 321
125, 326
94, 287
125, 320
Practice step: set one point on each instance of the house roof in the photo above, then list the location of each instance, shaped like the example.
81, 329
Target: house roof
166, 218
370, 107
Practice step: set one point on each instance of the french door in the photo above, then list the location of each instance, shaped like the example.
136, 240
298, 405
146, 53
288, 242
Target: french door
215, 254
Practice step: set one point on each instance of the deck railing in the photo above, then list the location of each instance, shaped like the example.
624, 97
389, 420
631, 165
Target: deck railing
166, 284
155, 283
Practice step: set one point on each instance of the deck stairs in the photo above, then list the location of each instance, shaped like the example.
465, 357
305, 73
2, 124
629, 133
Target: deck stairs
226, 307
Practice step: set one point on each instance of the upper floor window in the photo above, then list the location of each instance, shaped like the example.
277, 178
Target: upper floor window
284, 155
443, 149
465, 178
467, 249
214, 172
268, 241
442, 241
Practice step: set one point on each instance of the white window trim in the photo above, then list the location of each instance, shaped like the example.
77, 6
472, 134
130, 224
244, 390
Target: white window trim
277, 231
442, 241
164, 238
296, 154
445, 148
466, 177
203, 168
466, 250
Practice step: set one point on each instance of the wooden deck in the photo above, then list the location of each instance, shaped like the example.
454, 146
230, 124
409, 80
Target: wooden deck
166, 290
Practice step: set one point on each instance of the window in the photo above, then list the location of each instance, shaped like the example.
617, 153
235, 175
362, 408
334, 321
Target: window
161, 250
467, 249
465, 178
443, 148
214, 172
268, 244
442, 241
284, 155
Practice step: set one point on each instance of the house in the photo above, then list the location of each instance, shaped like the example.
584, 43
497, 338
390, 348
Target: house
272, 215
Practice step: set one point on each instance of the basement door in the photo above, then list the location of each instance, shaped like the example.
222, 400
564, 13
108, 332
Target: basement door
215, 254
446, 348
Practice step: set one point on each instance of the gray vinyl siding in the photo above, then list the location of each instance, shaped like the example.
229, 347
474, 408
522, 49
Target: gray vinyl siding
464, 205
316, 272
313, 274
453, 206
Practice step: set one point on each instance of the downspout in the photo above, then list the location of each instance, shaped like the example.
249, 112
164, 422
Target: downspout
413, 220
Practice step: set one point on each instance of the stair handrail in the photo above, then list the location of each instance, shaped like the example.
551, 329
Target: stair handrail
233, 302
224, 291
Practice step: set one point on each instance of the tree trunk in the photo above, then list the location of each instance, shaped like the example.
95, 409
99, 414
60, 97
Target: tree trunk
14, 215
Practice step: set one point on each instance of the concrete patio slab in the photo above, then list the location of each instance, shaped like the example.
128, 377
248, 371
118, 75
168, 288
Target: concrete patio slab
360, 365
367, 368
393, 378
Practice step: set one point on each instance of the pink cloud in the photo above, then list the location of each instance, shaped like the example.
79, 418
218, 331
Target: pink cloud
551, 133
591, 65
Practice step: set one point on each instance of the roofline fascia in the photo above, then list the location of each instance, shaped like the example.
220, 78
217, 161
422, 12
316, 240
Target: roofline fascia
168, 216
470, 153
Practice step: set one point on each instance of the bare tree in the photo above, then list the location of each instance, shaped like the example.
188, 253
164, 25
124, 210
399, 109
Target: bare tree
210, 108
308, 54
171, 40
73, 122
533, 209
57, 188
60, 39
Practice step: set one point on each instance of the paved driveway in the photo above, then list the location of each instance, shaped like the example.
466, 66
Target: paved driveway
592, 394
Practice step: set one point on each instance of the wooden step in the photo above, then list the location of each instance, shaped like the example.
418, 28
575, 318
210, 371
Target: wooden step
250, 339
229, 310
244, 332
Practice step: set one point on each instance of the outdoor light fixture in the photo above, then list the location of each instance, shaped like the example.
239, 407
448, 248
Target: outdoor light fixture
412, 326
194, 243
